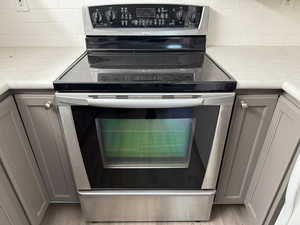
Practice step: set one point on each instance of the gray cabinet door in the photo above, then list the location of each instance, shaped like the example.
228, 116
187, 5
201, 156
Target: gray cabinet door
250, 120
11, 212
19, 163
43, 128
279, 148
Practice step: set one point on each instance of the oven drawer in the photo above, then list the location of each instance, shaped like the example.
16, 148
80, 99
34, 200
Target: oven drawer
152, 205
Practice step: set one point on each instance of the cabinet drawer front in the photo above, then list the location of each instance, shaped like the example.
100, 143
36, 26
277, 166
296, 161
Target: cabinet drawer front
146, 205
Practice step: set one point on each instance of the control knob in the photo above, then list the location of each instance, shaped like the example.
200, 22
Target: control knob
110, 15
193, 18
179, 14
96, 17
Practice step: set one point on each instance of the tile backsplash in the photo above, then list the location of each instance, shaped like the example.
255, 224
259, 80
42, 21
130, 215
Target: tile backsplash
232, 22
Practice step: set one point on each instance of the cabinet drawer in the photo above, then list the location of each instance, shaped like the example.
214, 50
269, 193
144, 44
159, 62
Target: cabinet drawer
154, 205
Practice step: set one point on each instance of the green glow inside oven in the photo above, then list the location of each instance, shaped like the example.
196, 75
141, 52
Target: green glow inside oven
145, 138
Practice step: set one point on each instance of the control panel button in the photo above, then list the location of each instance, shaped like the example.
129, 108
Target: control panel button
134, 22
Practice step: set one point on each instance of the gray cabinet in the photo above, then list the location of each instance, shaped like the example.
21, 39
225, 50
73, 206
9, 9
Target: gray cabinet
249, 124
18, 161
43, 128
281, 144
11, 212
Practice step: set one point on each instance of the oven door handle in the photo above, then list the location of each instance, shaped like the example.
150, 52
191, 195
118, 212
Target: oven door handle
145, 103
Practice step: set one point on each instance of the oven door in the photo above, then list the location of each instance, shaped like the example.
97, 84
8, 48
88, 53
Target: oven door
145, 141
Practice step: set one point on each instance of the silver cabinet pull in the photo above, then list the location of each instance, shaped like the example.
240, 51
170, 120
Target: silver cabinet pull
244, 104
48, 105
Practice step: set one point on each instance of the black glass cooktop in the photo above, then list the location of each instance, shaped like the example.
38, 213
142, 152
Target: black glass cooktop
145, 72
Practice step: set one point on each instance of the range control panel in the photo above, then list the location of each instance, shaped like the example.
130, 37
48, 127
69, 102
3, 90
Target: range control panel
145, 15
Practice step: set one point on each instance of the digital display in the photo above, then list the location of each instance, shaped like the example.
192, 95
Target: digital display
145, 12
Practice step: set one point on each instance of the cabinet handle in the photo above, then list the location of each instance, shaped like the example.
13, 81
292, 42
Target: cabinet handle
48, 105
244, 104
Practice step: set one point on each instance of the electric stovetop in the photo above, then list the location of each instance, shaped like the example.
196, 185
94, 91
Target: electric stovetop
161, 71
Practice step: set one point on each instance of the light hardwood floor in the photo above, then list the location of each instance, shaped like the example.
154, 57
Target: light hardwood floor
70, 214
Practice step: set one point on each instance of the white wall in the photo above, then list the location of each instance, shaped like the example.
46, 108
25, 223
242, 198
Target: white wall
48, 23
232, 22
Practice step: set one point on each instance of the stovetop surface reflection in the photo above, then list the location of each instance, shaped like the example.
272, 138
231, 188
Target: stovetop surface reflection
145, 71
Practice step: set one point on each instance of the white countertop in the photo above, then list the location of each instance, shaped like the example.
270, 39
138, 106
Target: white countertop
258, 67
292, 87
34, 68
261, 67
253, 67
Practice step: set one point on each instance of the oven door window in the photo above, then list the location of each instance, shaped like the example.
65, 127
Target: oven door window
164, 148
145, 143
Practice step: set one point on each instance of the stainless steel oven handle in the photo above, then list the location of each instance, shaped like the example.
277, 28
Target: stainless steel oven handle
145, 103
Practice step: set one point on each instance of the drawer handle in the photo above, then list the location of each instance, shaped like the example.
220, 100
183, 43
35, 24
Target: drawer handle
48, 105
244, 105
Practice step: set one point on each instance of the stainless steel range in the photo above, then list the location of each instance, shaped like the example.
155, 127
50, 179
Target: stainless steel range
145, 114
